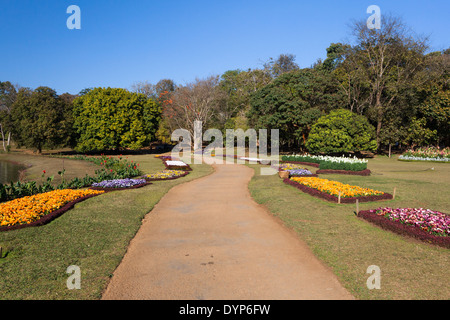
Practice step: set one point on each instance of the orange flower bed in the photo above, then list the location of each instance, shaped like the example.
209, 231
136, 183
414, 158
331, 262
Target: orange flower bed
27, 210
335, 188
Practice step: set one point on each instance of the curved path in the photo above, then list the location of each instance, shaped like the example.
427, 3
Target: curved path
207, 239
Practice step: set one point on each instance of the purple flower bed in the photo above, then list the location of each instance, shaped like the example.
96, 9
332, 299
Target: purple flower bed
366, 172
119, 184
301, 173
423, 224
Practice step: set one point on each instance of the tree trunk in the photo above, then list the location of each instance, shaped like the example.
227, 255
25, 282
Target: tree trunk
3, 137
390, 148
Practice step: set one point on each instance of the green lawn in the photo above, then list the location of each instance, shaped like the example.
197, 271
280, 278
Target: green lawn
409, 269
94, 235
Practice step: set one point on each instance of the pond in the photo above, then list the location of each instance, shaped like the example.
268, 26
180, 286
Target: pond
10, 171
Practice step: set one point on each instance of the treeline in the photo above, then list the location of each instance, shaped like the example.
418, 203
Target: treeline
95, 120
385, 89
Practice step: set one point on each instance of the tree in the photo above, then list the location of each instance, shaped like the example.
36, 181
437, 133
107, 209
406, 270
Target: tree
284, 63
382, 67
153, 91
8, 95
114, 119
341, 131
292, 103
435, 95
235, 89
39, 119
195, 101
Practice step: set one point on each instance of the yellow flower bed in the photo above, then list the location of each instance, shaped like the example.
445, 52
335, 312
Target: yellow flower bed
29, 209
335, 187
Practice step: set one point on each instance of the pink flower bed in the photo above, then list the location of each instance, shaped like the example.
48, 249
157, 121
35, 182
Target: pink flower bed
423, 224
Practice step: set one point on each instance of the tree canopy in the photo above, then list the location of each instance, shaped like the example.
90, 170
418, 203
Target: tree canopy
114, 119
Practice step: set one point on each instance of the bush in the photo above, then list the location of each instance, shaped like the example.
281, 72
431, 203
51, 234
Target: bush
114, 119
342, 131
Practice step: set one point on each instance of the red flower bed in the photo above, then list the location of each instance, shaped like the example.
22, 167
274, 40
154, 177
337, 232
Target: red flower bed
357, 173
404, 229
322, 195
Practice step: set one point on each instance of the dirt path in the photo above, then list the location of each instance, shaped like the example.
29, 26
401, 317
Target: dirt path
207, 239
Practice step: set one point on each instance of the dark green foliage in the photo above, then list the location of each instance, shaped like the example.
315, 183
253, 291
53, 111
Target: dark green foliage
293, 102
114, 119
40, 119
341, 131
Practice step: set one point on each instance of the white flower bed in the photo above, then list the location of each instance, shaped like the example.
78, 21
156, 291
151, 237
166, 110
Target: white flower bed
410, 158
176, 163
335, 159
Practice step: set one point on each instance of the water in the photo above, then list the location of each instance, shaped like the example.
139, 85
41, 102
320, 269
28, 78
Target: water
9, 171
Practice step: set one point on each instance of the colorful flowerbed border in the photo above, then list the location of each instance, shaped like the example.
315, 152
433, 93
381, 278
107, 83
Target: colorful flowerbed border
119, 189
165, 179
366, 172
318, 194
49, 217
311, 164
403, 229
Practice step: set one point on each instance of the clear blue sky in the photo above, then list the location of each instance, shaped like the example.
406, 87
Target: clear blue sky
123, 42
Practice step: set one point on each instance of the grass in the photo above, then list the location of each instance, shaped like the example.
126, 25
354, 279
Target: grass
409, 269
94, 235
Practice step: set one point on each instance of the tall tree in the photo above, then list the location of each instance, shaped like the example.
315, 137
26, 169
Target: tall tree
195, 101
284, 63
292, 103
8, 95
384, 64
237, 87
39, 119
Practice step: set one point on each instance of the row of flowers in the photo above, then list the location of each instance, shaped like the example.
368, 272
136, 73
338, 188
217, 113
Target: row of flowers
294, 169
429, 153
317, 159
31, 208
329, 162
165, 175
119, 183
336, 188
413, 158
434, 222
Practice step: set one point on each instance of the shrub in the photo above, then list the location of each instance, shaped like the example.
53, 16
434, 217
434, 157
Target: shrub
113, 119
341, 131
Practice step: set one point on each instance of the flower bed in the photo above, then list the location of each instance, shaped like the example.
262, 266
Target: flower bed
165, 175
119, 184
366, 172
427, 154
423, 224
176, 165
312, 164
328, 162
40, 209
332, 190
301, 173
295, 170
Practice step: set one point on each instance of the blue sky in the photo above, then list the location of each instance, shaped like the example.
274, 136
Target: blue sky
124, 42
